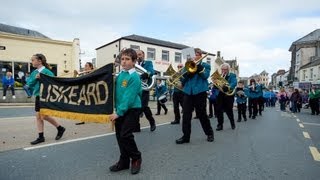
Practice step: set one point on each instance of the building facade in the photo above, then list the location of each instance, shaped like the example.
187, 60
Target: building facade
162, 53
20, 44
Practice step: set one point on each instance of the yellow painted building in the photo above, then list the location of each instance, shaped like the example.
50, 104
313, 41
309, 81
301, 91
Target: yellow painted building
17, 45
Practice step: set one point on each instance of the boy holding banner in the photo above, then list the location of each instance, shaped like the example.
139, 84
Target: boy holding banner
39, 62
128, 105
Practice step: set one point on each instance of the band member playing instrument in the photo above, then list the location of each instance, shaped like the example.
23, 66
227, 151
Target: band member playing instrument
260, 88
177, 99
241, 101
39, 62
88, 67
225, 102
161, 90
145, 94
128, 104
253, 94
195, 86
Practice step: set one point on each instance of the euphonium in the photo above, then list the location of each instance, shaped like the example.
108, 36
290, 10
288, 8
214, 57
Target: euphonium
221, 82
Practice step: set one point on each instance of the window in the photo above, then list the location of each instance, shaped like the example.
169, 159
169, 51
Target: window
311, 74
20, 69
303, 74
135, 47
151, 53
209, 61
5, 66
165, 55
177, 57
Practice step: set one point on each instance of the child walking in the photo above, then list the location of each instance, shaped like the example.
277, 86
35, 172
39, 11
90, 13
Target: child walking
128, 107
39, 62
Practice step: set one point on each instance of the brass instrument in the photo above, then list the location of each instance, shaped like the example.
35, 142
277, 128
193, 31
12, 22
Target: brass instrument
190, 67
220, 82
146, 85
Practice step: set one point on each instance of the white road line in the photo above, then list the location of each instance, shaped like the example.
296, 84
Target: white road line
306, 135
315, 153
298, 120
314, 124
14, 118
80, 139
13, 107
301, 125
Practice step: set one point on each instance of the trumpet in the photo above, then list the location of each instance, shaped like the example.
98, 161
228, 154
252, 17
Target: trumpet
219, 81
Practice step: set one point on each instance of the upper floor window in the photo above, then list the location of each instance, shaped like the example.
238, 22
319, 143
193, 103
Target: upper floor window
303, 74
135, 47
209, 61
311, 74
151, 53
177, 57
165, 55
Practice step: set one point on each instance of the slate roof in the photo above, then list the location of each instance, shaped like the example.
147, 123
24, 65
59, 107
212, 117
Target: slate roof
21, 31
310, 38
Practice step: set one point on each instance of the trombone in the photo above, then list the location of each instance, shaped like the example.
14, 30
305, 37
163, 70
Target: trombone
190, 67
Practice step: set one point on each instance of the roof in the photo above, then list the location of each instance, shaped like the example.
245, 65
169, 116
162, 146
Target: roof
311, 64
310, 38
148, 40
264, 72
21, 31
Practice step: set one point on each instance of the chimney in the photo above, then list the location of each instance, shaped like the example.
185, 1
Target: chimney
218, 54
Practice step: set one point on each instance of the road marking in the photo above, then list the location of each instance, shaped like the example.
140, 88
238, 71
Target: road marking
301, 125
306, 135
315, 153
80, 139
314, 124
15, 118
298, 120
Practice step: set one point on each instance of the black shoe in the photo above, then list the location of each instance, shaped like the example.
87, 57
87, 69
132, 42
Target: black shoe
153, 127
175, 122
250, 115
210, 116
117, 167
196, 117
210, 138
239, 120
136, 166
165, 111
245, 119
219, 128
233, 126
60, 133
260, 113
80, 123
253, 117
37, 141
157, 114
182, 140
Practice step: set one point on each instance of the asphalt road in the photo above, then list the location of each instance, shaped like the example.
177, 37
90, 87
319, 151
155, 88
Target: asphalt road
271, 147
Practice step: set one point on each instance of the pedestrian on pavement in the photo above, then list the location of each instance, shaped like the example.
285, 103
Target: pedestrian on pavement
195, 86
161, 91
314, 97
147, 65
39, 62
128, 109
177, 98
8, 83
283, 98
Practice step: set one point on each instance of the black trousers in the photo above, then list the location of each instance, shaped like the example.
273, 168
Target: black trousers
159, 105
5, 88
260, 104
199, 102
224, 103
314, 106
242, 109
177, 100
253, 107
211, 109
145, 107
124, 127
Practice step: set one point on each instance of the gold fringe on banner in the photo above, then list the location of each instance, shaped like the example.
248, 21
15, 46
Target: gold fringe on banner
96, 118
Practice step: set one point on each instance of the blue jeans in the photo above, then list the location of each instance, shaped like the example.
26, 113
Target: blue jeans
27, 90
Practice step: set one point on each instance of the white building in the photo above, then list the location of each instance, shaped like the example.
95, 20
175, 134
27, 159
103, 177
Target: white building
162, 53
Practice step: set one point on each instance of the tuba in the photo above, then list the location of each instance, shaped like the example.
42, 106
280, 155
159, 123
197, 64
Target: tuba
146, 84
220, 82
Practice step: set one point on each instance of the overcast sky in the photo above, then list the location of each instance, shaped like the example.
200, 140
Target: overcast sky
257, 33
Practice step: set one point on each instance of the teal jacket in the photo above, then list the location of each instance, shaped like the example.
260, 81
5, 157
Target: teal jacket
252, 94
128, 91
148, 66
34, 84
160, 90
198, 83
260, 88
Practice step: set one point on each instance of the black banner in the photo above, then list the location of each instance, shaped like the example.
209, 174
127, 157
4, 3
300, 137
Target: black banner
88, 98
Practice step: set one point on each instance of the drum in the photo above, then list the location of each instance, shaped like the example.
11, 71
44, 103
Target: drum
163, 98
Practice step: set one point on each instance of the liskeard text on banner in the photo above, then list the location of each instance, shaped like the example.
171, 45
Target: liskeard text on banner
87, 98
